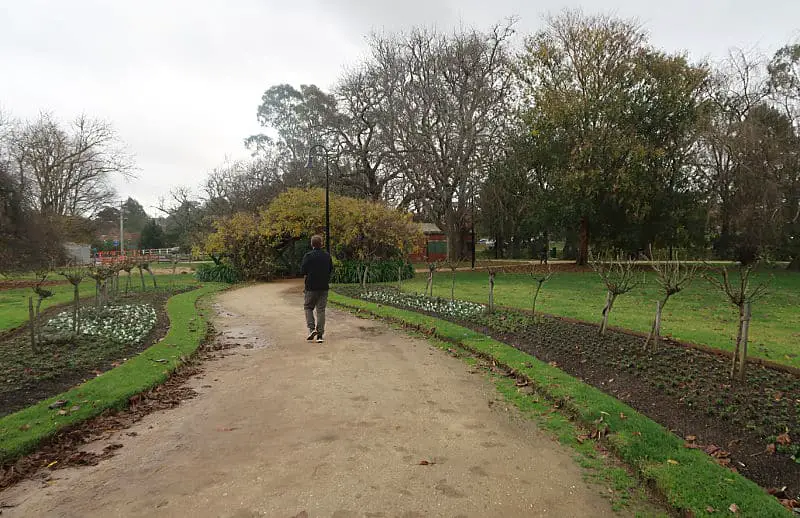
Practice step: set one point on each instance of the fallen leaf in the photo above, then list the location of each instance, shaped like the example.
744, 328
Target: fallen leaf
58, 404
784, 439
581, 438
225, 429
710, 509
733, 508
52, 464
671, 461
778, 395
426, 463
75, 408
691, 438
771, 449
25, 427
622, 416
638, 434
62, 412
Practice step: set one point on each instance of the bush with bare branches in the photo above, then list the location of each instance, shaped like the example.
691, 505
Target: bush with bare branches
619, 276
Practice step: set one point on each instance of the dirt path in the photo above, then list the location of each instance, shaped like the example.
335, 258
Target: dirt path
334, 430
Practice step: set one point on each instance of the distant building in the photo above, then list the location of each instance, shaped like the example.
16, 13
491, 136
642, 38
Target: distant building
78, 253
432, 246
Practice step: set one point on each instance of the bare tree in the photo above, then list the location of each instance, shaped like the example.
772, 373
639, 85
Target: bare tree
619, 276
75, 275
492, 273
741, 294
672, 277
454, 265
448, 98
69, 169
539, 278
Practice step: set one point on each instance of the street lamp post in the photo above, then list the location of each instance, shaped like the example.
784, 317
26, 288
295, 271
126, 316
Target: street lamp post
309, 165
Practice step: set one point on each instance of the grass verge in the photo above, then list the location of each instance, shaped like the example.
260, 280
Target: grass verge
689, 481
699, 314
23, 431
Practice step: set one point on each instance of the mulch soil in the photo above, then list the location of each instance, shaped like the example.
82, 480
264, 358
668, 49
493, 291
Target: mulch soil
751, 427
65, 449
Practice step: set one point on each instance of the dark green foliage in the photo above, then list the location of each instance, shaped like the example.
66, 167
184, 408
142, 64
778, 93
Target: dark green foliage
349, 272
218, 273
152, 236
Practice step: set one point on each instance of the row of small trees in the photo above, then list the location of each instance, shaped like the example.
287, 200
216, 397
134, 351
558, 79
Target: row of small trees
623, 276
107, 288
740, 290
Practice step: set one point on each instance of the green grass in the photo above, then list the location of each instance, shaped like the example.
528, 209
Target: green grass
688, 479
14, 303
22, 431
699, 314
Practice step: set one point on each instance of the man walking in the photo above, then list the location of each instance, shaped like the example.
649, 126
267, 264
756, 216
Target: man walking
317, 267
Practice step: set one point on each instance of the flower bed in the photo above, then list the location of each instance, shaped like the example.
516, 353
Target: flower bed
458, 309
122, 324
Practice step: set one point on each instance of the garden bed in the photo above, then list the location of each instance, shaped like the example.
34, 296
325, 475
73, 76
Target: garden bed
63, 361
686, 390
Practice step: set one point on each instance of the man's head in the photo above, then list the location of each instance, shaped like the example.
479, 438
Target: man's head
316, 241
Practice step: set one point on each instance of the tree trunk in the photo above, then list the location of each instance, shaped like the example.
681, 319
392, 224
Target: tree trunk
453, 285
128, 282
606, 312
155, 284
736, 352
583, 243
141, 276
38, 328
76, 297
364, 277
655, 329
32, 318
491, 292
743, 352
535, 296
429, 286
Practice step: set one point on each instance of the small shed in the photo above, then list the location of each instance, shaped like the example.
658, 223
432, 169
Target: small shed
432, 246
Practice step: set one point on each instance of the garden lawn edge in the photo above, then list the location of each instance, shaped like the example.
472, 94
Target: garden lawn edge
22, 431
688, 480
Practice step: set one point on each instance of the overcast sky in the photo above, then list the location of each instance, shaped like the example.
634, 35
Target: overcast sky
181, 80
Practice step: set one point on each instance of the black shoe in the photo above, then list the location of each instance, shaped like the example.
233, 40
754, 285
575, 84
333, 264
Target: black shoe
320, 339
311, 335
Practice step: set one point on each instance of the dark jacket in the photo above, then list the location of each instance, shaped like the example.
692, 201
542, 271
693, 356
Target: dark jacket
317, 267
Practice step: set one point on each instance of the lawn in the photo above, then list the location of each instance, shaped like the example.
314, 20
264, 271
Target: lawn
699, 315
14, 303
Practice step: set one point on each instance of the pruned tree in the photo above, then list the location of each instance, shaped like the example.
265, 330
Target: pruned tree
144, 266
741, 294
492, 273
539, 276
42, 294
432, 267
75, 275
453, 265
619, 277
672, 278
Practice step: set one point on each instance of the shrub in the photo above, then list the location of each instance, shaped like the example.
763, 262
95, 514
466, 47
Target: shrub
218, 273
349, 272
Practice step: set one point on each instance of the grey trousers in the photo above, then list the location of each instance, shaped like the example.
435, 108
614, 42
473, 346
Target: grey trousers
315, 300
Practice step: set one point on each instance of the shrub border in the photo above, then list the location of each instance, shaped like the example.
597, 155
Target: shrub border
22, 431
688, 480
